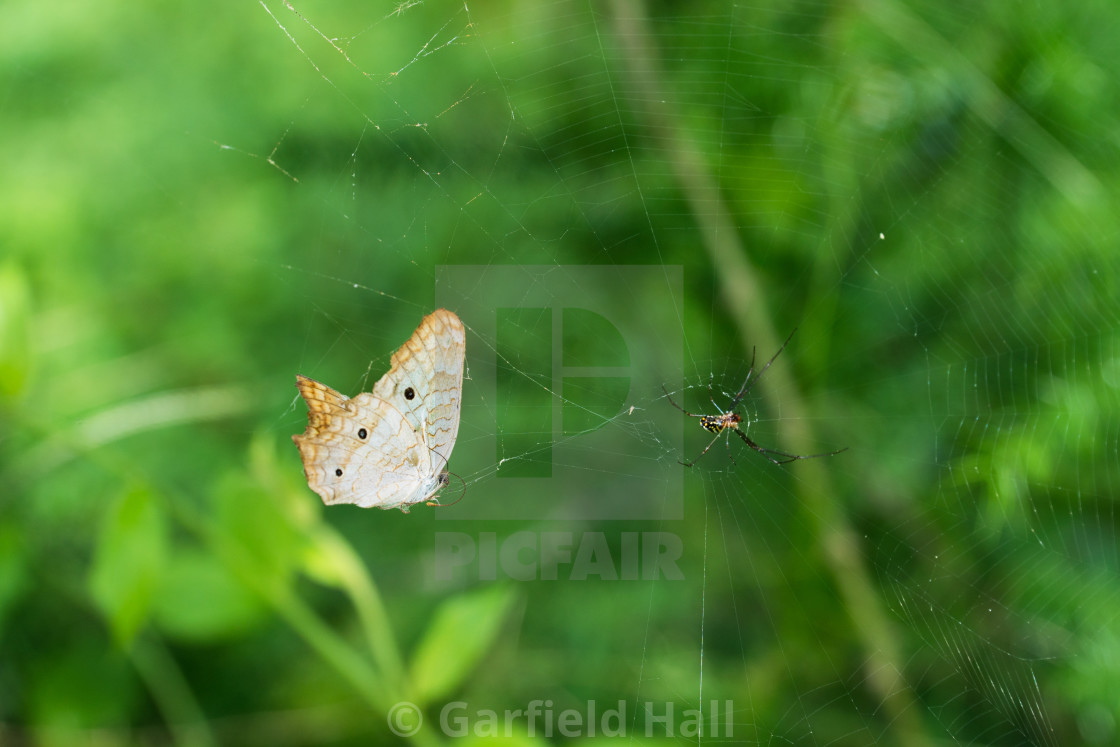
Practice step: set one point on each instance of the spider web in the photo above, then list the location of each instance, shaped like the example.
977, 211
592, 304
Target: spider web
945, 249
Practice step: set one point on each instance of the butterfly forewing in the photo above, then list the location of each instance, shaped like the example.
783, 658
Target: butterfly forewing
425, 381
388, 448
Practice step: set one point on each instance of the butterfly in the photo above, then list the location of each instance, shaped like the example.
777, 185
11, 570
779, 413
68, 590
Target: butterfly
389, 448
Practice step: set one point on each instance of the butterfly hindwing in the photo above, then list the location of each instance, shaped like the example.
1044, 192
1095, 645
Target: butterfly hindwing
359, 450
389, 448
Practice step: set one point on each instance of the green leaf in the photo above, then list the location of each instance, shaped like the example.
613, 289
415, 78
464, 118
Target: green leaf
128, 562
461, 631
15, 331
201, 601
249, 516
76, 689
15, 580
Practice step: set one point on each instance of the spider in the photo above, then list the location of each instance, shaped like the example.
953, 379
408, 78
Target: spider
729, 420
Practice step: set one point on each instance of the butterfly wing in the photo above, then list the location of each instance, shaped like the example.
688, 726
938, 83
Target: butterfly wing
361, 450
425, 382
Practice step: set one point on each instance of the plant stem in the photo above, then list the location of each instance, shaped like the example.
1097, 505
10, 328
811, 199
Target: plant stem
170, 691
747, 307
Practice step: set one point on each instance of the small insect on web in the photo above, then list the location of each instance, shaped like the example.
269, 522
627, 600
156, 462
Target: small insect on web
729, 420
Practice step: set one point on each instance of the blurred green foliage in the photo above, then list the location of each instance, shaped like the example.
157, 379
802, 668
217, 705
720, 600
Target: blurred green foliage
199, 200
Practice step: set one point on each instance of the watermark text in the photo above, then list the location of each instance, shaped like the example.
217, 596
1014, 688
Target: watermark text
551, 556
541, 718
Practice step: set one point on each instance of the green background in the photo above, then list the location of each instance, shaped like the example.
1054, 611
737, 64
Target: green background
199, 200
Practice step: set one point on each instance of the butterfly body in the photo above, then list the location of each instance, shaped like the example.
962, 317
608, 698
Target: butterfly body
389, 448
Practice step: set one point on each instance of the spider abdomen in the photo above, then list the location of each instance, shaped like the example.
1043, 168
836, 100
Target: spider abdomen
716, 423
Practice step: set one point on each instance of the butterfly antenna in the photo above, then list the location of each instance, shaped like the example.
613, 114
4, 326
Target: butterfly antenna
437, 504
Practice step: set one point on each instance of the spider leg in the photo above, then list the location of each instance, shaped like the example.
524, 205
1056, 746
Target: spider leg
746, 382
775, 356
712, 398
702, 453
727, 443
751, 379
674, 404
765, 452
